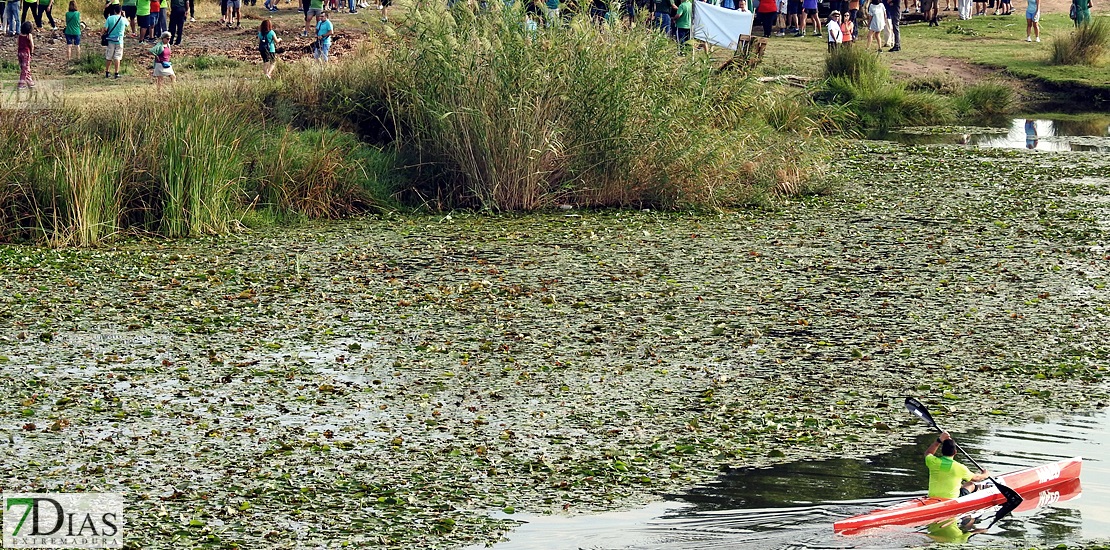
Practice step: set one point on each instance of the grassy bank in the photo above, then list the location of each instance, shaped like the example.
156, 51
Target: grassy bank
996, 43
859, 81
459, 111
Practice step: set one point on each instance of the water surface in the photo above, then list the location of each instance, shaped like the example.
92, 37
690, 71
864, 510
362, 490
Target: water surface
794, 505
1090, 133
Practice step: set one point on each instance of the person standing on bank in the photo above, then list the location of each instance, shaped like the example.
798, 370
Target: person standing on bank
1082, 10
877, 11
765, 13
1033, 20
894, 16
835, 33
115, 25
72, 31
178, 10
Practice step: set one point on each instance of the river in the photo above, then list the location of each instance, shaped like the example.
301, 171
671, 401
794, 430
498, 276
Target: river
794, 505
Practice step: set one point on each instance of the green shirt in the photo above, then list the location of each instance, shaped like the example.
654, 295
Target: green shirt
129, 2
142, 7
682, 18
316, 5
73, 23
945, 476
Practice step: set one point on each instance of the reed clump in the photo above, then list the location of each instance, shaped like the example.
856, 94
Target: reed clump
1083, 46
493, 114
857, 80
194, 166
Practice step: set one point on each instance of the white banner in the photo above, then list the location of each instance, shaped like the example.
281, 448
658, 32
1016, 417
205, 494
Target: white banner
720, 26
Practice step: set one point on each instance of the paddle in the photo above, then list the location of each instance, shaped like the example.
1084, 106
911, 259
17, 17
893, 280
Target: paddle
1013, 500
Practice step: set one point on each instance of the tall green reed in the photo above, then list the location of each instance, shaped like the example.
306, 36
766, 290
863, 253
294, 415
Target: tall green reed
90, 183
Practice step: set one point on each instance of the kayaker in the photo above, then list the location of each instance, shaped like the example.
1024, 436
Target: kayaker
948, 478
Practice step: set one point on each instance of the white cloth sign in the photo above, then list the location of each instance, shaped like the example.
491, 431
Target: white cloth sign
720, 26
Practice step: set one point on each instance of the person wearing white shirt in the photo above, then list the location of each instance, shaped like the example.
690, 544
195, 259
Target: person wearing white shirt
836, 35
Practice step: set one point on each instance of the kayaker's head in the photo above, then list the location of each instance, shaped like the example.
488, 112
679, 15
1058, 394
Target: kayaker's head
948, 448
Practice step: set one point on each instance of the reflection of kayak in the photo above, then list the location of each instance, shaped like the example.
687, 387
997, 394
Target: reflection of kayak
960, 528
1039, 485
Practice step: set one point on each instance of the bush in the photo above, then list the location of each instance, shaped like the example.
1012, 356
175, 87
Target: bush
1083, 46
90, 62
987, 99
495, 116
857, 65
856, 80
194, 168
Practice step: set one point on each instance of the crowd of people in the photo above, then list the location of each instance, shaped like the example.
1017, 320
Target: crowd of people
882, 18
161, 25
145, 20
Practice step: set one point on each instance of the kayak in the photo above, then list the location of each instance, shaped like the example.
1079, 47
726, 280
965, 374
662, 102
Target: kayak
922, 510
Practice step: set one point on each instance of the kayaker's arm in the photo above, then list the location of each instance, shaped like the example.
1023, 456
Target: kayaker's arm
936, 444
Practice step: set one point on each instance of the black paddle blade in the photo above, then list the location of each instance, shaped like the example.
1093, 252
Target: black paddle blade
1013, 500
919, 410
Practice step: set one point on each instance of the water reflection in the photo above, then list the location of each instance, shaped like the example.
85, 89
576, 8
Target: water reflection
954, 530
1089, 133
794, 505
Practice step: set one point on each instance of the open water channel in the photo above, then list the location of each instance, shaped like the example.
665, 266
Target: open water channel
794, 505
1085, 133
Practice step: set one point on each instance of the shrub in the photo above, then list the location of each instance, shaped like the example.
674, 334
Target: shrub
857, 81
1083, 46
500, 117
987, 99
84, 176
90, 62
855, 64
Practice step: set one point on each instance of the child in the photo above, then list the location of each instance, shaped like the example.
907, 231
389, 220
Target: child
25, 49
847, 29
73, 31
162, 67
836, 35
323, 37
267, 47
877, 11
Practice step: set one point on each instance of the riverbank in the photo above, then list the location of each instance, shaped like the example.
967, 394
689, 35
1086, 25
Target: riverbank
987, 48
388, 380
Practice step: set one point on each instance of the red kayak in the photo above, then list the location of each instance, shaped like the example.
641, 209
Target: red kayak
922, 510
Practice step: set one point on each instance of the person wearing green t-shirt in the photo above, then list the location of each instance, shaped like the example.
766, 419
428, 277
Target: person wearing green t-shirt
682, 23
948, 478
128, 10
73, 31
315, 8
45, 6
142, 15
